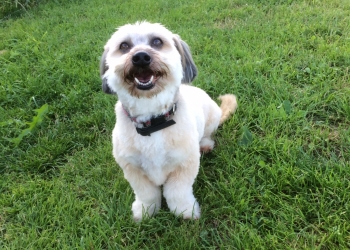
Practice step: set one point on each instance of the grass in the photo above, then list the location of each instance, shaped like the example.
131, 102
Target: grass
279, 176
15, 8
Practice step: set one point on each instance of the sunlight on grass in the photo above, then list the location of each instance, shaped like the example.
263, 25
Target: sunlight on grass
37, 120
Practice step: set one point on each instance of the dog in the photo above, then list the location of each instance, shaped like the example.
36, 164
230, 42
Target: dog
163, 123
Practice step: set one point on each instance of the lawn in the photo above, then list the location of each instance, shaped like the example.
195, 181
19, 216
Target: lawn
278, 177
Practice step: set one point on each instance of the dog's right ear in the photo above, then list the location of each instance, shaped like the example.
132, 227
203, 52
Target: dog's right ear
189, 68
103, 69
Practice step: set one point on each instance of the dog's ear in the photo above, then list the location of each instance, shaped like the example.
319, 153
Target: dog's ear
103, 69
189, 68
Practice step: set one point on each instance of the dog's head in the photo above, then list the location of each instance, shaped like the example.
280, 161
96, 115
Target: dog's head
144, 59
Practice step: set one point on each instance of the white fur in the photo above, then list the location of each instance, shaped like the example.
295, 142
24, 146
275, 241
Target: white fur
169, 157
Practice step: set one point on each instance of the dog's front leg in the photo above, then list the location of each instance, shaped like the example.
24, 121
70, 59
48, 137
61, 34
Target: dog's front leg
178, 190
147, 194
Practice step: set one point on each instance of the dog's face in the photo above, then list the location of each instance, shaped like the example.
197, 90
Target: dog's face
143, 59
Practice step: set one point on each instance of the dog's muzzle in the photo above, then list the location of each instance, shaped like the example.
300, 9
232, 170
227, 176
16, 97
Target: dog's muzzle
144, 77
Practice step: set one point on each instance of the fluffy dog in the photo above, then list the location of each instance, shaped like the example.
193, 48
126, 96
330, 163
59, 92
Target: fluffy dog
162, 125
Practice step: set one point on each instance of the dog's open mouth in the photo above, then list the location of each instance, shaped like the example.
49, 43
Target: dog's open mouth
145, 80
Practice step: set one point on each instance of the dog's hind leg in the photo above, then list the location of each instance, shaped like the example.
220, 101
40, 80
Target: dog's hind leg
178, 190
147, 194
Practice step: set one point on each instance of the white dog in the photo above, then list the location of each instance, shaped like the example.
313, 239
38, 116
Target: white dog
162, 125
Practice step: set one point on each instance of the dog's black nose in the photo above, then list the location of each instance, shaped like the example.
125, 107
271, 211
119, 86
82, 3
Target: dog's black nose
141, 59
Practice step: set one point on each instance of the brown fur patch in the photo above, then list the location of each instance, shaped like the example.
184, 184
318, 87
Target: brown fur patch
228, 106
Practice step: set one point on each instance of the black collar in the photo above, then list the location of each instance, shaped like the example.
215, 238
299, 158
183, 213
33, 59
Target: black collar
155, 123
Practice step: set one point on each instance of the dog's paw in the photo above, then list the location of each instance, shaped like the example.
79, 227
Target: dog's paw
206, 145
194, 213
206, 149
141, 210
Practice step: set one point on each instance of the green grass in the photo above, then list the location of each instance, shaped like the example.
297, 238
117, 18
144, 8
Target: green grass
279, 176
14, 8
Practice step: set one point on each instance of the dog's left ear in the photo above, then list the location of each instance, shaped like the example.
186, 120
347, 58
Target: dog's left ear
103, 69
189, 68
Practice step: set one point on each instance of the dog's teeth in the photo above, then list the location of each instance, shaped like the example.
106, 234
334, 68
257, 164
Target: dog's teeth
144, 83
137, 81
151, 80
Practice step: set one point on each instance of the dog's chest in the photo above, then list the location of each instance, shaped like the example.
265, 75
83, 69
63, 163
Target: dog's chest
157, 156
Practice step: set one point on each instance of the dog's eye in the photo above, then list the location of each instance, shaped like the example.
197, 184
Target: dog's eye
157, 42
124, 46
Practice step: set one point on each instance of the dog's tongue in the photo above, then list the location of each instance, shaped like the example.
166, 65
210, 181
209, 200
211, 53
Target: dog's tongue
144, 77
